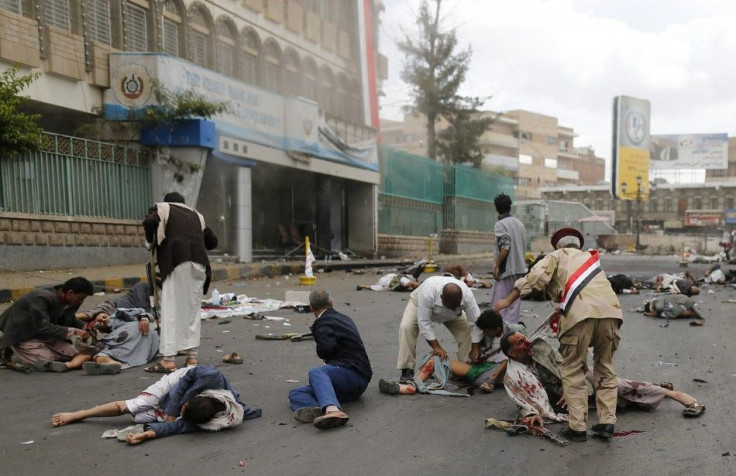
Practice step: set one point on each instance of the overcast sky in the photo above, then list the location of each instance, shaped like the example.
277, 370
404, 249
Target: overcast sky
569, 58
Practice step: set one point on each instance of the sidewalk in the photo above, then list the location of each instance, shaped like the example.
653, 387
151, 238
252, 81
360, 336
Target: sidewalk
14, 284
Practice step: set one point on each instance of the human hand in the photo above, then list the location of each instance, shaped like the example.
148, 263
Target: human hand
144, 326
135, 438
474, 354
562, 403
533, 421
500, 305
440, 352
496, 272
81, 333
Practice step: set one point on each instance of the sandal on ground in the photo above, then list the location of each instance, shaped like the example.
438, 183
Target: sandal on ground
487, 387
667, 385
693, 410
20, 367
157, 368
43, 365
96, 368
233, 358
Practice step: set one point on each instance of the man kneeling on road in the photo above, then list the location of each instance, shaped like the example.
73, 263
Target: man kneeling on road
345, 375
445, 300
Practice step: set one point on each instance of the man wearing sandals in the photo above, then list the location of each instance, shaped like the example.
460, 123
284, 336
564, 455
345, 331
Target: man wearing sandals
534, 382
181, 239
345, 375
39, 326
187, 400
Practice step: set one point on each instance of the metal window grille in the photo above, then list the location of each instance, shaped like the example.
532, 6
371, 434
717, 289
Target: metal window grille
56, 13
250, 68
225, 58
12, 5
137, 28
98, 20
199, 48
171, 37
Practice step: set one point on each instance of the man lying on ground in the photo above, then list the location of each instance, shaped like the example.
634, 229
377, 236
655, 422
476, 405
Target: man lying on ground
122, 333
534, 382
460, 272
391, 282
622, 284
680, 283
186, 400
671, 306
38, 328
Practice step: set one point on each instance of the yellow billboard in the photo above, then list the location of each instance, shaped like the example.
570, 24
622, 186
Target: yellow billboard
630, 158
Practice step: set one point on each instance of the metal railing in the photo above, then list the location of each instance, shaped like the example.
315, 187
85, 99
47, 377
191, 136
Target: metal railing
77, 177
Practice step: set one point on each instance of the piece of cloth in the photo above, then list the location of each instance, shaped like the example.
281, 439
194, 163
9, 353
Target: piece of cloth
31, 350
39, 314
523, 387
181, 301
672, 306
460, 329
642, 395
510, 235
501, 289
603, 336
477, 370
339, 343
391, 282
490, 347
435, 384
186, 239
328, 385
125, 343
136, 298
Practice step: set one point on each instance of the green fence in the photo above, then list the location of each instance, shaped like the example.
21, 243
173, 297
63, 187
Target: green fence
469, 195
77, 177
404, 216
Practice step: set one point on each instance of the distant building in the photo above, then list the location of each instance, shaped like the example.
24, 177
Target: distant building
530, 147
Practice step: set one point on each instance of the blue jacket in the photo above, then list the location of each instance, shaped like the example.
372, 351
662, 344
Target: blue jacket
339, 343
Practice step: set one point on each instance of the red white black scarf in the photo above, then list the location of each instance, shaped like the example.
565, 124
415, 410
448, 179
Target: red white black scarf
579, 279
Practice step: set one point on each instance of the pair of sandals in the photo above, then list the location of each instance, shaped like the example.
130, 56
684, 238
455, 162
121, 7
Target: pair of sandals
158, 368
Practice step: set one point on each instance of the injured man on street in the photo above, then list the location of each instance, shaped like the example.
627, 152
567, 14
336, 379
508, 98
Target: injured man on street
534, 382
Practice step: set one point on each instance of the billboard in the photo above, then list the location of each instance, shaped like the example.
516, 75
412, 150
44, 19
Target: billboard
630, 157
689, 151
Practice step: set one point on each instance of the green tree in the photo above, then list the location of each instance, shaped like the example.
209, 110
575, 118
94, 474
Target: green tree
176, 105
19, 132
435, 71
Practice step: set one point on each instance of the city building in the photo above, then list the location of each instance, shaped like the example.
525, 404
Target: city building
296, 150
532, 148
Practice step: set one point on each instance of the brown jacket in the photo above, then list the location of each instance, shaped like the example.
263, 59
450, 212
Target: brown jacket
596, 300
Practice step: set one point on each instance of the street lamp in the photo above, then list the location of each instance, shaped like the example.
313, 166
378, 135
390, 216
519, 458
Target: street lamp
638, 212
628, 208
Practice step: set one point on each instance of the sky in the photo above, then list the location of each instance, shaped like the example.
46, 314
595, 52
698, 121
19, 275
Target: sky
570, 58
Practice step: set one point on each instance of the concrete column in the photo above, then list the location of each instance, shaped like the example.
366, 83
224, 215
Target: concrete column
323, 195
244, 215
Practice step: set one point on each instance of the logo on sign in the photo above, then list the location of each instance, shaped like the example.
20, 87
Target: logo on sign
132, 86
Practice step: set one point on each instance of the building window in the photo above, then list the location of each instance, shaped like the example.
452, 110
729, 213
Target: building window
343, 98
171, 28
523, 181
251, 54
309, 83
697, 203
14, 6
56, 13
136, 23
291, 68
525, 159
550, 163
199, 38
729, 201
272, 66
523, 135
668, 205
98, 21
552, 140
356, 102
713, 203
599, 204
326, 90
653, 205
226, 60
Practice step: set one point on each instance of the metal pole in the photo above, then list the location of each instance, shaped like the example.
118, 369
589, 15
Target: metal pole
638, 217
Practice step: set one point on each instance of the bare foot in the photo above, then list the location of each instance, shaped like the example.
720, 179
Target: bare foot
191, 363
61, 419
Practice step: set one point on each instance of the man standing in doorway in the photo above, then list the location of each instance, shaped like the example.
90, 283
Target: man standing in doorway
510, 265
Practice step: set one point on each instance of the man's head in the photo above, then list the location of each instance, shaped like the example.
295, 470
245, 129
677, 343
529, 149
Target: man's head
452, 296
516, 346
76, 290
648, 308
567, 238
502, 203
320, 299
201, 409
174, 197
490, 323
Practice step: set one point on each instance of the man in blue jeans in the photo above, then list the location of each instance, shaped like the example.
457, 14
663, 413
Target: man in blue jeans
345, 375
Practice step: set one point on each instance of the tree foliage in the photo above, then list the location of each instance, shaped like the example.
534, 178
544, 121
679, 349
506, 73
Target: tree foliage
176, 105
19, 132
435, 71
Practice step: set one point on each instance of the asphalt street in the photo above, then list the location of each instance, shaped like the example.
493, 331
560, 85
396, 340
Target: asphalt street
390, 434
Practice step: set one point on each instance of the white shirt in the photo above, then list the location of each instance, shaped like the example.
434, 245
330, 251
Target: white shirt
428, 298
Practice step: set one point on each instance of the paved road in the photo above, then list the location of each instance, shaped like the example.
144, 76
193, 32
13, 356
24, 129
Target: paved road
388, 435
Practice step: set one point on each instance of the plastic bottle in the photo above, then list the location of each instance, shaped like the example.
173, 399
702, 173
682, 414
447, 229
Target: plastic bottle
215, 298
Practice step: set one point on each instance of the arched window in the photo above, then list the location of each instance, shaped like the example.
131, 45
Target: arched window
309, 81
291, 68
15, 6
343, 98
326, 90
172, 28
137, 20
356, 102
98, 21
56, 13
272, 66
199, 36
251, 56
226, 46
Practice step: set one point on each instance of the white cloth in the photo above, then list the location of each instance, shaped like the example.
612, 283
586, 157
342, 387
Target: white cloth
145, 407
385, 281
528, 393
428, 298
181, 300
231, 416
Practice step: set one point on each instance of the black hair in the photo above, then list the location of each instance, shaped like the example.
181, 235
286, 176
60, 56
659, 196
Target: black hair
174, 197
78, 285
489, 320
502, 203
505, 344
201, 409
648, 306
